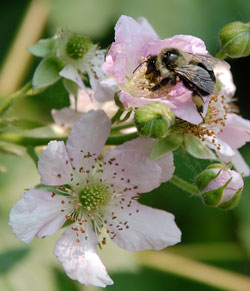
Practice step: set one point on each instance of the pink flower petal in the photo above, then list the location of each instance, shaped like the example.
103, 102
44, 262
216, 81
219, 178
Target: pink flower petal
70, 72
80, 259
187, 43
88, 136
132, 171
236, 132
144, 22
131, 40
37, 213
130, 101
142, 228
53, 166
144, 146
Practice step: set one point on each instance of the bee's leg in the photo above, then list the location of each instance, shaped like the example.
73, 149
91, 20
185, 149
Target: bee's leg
156, 87
164, 82
199, 102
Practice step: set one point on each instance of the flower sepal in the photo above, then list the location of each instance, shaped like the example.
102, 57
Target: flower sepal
154, 120
219, 186
44, 47
195, 147
47, 72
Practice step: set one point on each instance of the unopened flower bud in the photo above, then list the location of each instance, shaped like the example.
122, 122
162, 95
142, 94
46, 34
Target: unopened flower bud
235, 41
154, 120
219, 186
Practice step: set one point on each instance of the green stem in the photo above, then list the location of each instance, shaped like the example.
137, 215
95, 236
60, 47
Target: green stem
12, 98
118, 128
39, 141
120, 139
192, 189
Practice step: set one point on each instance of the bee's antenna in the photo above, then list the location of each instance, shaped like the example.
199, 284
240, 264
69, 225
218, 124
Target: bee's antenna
139, 66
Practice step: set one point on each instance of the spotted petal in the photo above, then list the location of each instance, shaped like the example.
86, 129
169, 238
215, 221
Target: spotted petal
53, 166
131, 171
144, 146
79, 257
139, 227
37, 213
87, 138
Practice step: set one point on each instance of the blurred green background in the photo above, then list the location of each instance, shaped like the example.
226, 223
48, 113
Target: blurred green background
211, 236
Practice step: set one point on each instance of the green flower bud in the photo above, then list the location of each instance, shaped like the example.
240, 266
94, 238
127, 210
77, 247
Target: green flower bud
235, 40
219, 186
154, 120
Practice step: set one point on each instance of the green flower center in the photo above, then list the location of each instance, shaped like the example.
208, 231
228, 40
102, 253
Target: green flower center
93, 196
77, 47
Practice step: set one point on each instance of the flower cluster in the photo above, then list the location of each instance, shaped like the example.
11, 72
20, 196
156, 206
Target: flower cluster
175, 94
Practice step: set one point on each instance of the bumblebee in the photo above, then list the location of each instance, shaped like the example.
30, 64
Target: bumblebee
195, 71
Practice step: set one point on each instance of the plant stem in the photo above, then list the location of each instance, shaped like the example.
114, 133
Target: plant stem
39, 141
12, 98
193, 270
192, 189
120, 139
118, 128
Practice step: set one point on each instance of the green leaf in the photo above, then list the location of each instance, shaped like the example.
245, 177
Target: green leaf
10, 258
47, 73
166, 145
25, 123
63, 282
43, 47
71, 87
196, 148
235, 40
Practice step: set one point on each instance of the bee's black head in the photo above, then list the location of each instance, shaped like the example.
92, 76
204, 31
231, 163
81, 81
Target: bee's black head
170, 56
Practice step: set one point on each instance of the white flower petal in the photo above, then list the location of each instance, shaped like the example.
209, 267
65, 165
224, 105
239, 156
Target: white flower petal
240, 165
131, 171
139, 227
144, 146
53, 166
80, 259
236, 132
70, 72
66, 117
36, 213
237, 161
88, 136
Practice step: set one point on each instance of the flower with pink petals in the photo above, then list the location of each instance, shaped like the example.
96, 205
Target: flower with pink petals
94, 193
135, 41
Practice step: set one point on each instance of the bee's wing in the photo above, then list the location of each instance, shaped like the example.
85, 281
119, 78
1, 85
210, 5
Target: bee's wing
209, 61
196, 75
